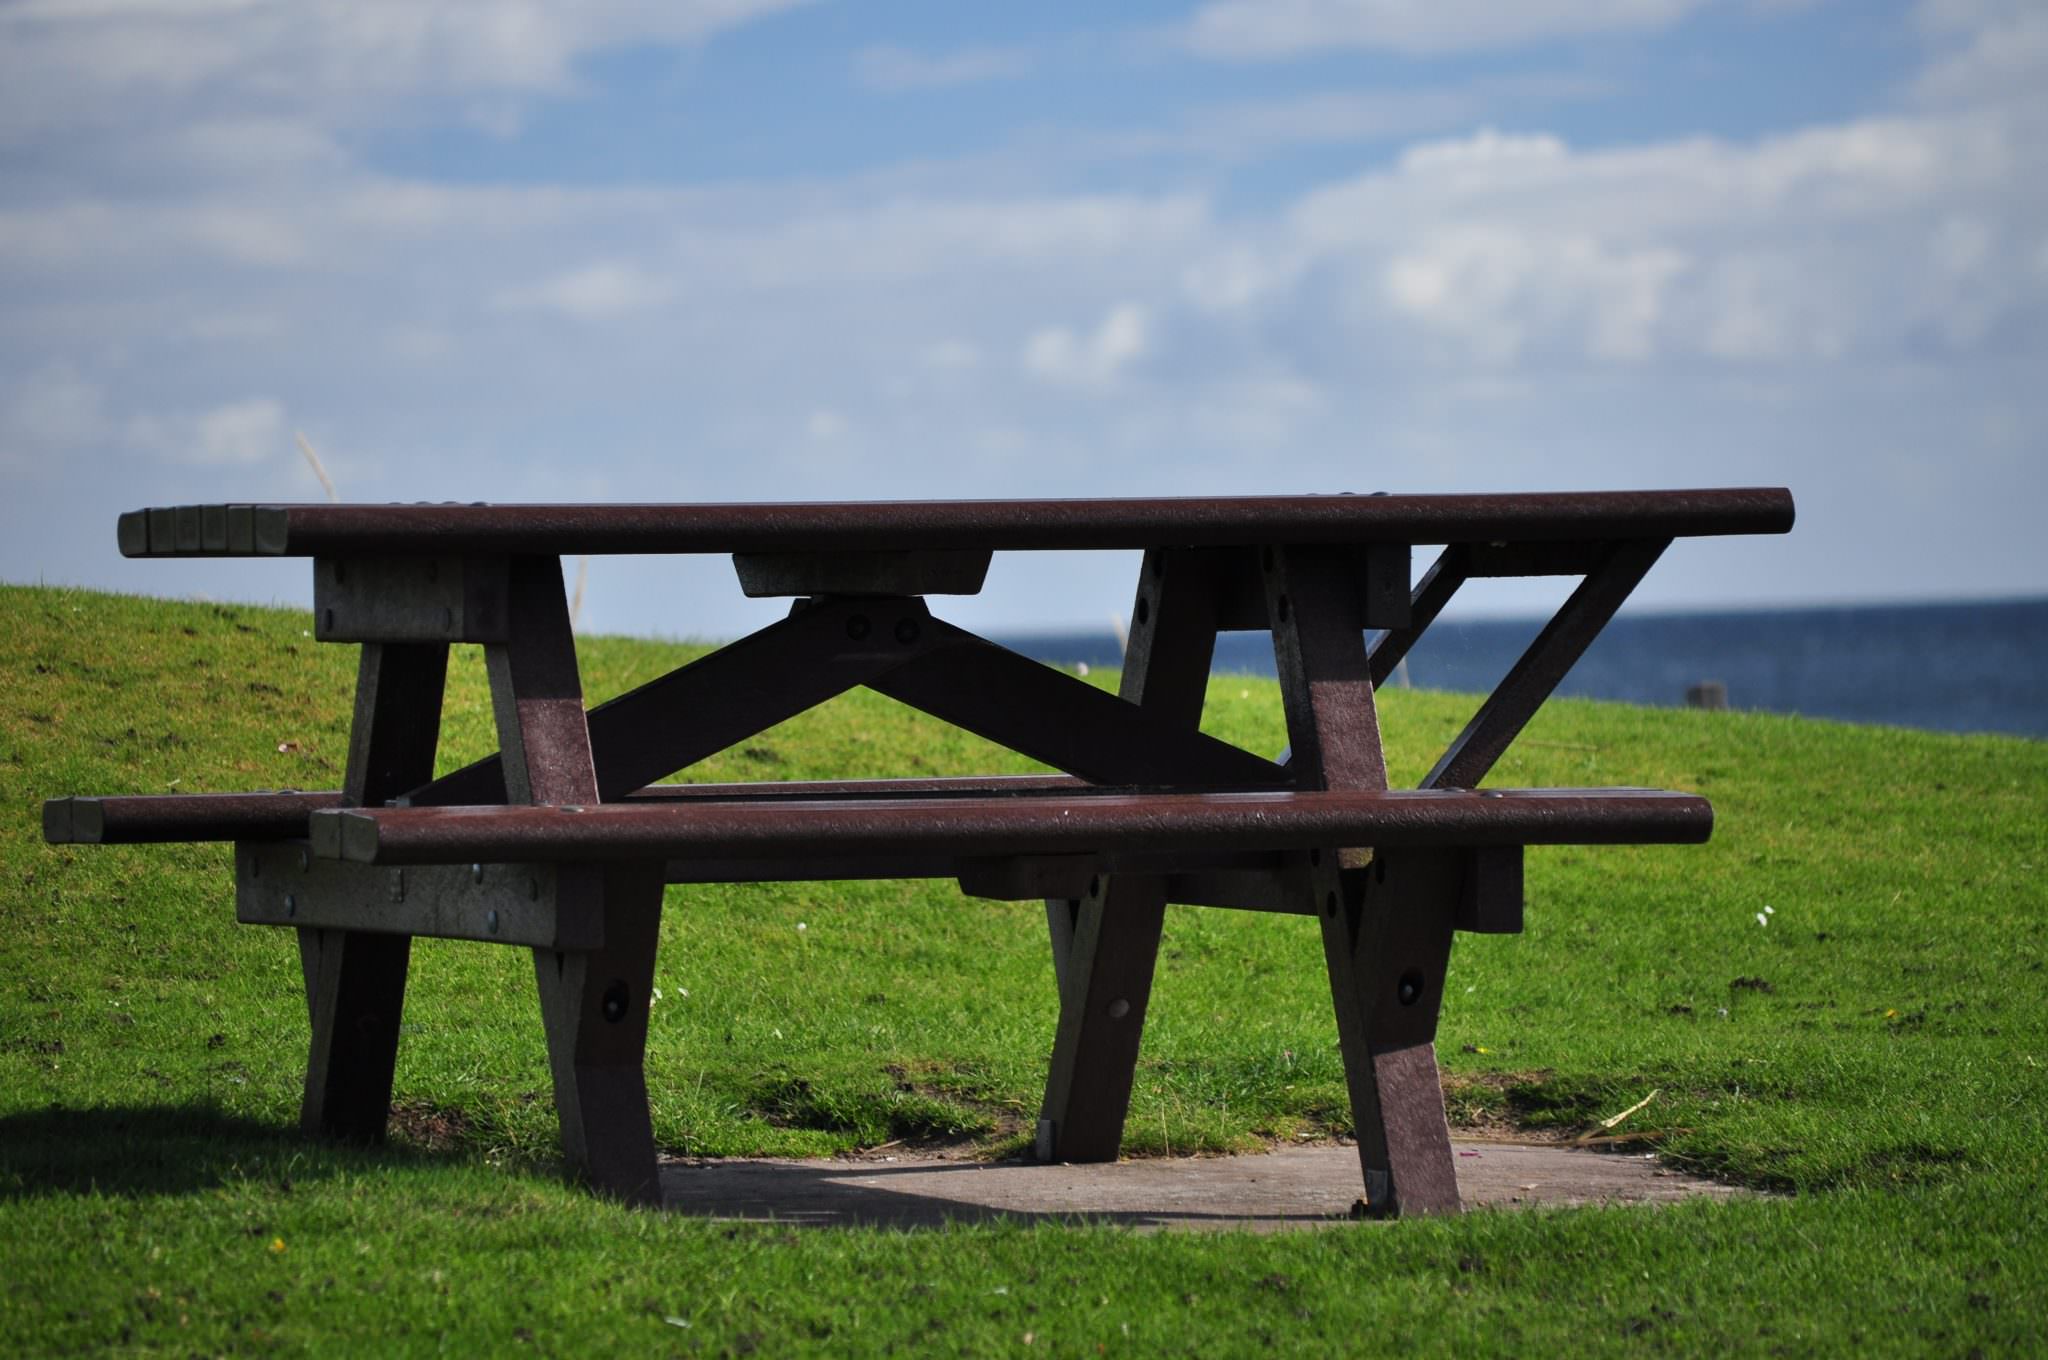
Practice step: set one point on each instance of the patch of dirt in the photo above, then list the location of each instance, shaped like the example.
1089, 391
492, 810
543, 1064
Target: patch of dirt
1485, 1105
434, 1127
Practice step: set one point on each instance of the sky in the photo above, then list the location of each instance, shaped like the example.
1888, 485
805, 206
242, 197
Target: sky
710, 250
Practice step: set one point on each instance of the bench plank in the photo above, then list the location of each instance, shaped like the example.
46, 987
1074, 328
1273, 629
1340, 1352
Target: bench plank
1012, 826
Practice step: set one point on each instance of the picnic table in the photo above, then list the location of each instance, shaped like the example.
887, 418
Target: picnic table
563, 841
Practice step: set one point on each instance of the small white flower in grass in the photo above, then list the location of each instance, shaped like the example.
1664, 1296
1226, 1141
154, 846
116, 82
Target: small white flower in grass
801, 927
1770, 910
1762, 919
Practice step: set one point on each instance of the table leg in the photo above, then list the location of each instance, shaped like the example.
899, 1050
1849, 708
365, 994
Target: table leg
594, 1008
594, 1004
355, 981
1387, 946
1386, 920
1106, 944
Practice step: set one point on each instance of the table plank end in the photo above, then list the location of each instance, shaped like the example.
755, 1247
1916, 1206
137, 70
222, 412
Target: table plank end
133, 534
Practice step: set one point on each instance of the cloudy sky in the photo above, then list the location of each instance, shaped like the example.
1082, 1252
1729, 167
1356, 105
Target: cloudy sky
759, 249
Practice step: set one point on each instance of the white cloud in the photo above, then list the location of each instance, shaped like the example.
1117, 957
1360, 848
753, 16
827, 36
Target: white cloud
595, 292
239, 432
1811, 244
1989, 49
1239, 30
890, 68
57, 407
951, 353
93, 64
1058, 354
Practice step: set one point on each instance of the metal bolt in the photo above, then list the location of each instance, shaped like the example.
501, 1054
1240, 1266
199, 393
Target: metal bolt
305, 859
615, 1002
1410, 990
476, 873
291, 905
491, 921
1119, 1008
857, 627
328, 626
906, 631
1144, 609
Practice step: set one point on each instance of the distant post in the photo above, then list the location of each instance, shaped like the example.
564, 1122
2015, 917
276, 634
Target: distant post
1708, 694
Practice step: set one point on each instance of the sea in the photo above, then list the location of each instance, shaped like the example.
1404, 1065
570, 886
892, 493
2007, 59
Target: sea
1956, 667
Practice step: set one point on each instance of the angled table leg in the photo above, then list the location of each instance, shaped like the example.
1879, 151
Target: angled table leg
593, 1003
1105, 944
355, 980
1386, 920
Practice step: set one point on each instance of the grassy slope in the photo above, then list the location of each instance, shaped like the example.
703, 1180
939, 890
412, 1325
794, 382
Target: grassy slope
1877, 1049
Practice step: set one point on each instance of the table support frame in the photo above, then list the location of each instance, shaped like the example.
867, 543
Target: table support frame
1386, 917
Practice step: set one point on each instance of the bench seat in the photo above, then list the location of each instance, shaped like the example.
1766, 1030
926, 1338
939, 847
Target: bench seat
981, 827
280, 814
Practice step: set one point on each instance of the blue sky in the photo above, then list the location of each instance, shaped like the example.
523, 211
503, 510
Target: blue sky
760, 250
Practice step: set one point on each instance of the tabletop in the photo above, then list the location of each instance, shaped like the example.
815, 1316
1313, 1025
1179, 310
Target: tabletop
271, 530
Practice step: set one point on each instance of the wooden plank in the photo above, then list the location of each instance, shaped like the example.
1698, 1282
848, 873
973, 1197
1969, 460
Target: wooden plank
548, 906
1194, 522
148, 818
874, 572
1388, 945
1532, 678
1066, 722
1371, 943
594, 1002
1427, 600
355, 980
1490, 901
1164, 824
793, 665
213, 528
1106, 941
409, 599
131, 533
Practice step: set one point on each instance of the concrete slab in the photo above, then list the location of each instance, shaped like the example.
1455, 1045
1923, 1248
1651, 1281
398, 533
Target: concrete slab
1288, 1188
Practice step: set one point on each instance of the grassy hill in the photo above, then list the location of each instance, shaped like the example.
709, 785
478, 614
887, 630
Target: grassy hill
1842, 999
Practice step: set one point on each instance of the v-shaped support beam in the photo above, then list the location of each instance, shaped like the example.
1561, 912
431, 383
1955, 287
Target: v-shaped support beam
894, 646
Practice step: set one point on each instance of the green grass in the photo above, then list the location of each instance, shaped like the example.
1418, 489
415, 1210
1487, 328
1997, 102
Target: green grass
1875, 1053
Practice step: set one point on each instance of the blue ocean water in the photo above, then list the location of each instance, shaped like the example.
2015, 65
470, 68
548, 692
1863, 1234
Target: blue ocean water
1968, 667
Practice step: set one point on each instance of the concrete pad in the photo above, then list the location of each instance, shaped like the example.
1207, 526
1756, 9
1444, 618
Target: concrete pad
1298, 1187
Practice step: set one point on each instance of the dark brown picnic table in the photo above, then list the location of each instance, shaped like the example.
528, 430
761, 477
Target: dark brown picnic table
564, 840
